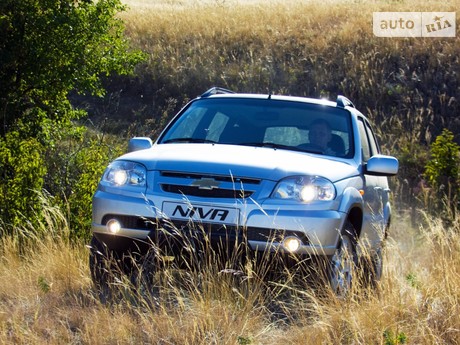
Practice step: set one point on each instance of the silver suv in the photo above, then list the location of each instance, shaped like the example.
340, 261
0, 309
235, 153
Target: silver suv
291, 175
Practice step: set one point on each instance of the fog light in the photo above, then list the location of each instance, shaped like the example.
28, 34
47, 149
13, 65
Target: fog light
292, 244
113, 226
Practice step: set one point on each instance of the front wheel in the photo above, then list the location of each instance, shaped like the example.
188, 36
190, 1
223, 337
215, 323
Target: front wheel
105, 266
343, 263
372, 266
99, 265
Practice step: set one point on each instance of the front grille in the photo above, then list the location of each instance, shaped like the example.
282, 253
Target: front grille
220, 186
207, 193
220, 178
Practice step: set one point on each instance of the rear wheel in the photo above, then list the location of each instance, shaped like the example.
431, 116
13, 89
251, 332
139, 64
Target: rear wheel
343, 262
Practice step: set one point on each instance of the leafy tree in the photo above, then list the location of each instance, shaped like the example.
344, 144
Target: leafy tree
51, 47
48, 49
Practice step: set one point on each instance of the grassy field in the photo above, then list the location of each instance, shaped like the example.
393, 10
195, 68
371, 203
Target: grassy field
406, 86
46, 296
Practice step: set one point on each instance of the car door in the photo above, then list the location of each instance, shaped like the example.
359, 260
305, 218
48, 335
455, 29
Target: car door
376, 203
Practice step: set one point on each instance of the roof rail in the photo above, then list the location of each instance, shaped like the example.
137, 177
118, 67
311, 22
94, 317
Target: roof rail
343, 102
215, 90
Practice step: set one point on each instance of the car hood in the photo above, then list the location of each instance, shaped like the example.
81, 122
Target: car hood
240, 161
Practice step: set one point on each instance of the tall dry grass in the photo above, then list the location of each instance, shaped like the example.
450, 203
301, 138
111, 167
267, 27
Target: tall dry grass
46, 296
408, 86
301, 47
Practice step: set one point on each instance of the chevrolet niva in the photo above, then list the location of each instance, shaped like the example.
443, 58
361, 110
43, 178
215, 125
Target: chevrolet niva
292, 175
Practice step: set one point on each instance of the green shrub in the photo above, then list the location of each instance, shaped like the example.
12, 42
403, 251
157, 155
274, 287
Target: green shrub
75, 163
68, 170
22, 170
87, 166
442, 169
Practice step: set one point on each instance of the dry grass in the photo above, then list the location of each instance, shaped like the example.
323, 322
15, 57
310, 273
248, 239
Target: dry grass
310, 48
301, 47
46, 297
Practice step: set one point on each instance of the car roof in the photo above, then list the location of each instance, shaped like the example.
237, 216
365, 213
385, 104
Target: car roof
276, 98
217, 92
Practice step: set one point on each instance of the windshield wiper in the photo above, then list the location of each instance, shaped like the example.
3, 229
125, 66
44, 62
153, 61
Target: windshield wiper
188, 140
282, 147
269, 144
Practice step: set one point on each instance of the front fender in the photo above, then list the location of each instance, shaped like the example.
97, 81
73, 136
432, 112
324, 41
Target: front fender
353, 205
351, 198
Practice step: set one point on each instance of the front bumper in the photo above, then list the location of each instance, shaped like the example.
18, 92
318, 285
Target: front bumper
262, 227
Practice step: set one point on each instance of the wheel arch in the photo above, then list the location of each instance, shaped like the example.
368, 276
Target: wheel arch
355, 217
352, 205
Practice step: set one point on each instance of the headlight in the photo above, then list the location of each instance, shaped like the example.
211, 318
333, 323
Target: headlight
122, 173
305, 189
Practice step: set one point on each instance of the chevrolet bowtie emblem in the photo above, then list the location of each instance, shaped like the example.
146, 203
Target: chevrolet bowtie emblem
206, 183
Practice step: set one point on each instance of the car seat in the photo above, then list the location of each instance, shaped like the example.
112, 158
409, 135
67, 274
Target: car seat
337, 145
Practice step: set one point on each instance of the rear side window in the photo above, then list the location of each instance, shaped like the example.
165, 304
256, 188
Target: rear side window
369, 144
365, 146
372, 140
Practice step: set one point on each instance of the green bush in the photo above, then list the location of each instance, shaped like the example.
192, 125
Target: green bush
68, 170
49, 49
22, 172
87, 166
442, 169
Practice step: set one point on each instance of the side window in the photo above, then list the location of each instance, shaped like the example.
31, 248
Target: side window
370, 133
365, 147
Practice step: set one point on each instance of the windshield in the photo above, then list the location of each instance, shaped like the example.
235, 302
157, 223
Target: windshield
277, 124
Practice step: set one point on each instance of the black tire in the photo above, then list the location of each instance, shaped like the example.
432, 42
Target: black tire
343, 263
377, 264
144, 268
100, 258
116, 273
372, 267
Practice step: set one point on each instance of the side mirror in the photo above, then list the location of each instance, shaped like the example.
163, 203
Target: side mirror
382, 165
139, 143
